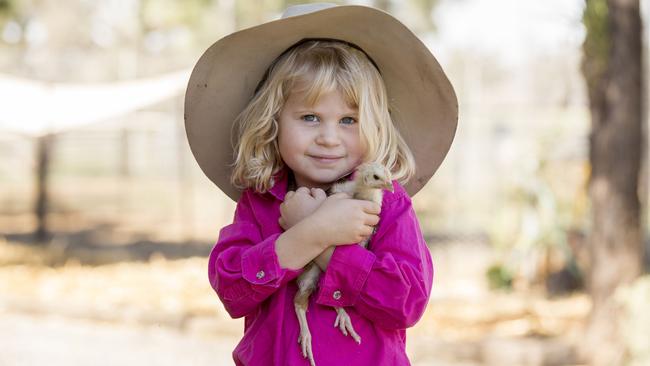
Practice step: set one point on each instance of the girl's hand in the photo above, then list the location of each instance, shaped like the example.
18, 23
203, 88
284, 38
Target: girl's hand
299, 204
343, 220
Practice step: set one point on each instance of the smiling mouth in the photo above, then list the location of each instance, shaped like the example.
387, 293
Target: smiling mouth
325, 159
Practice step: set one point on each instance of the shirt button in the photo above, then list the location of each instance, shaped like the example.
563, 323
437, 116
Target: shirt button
336, 295
260, 275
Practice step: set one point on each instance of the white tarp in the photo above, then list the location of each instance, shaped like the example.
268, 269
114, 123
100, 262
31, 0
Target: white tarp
36, 108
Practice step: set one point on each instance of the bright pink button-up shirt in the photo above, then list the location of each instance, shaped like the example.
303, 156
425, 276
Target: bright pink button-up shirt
384, 289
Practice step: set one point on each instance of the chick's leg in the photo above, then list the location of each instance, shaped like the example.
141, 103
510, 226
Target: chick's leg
306, 284
343, 320
345, 324
304, 339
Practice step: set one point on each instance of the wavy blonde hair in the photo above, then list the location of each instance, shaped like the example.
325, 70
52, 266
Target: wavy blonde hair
324, 65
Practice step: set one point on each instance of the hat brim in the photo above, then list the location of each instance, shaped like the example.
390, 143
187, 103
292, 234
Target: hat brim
424, 105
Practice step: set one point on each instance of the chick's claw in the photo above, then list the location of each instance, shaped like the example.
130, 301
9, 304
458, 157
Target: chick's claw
344, 323
305, 343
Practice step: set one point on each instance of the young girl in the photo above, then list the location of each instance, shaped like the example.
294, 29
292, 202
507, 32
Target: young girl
312, 96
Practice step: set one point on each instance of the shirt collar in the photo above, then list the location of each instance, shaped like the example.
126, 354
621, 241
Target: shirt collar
281, 179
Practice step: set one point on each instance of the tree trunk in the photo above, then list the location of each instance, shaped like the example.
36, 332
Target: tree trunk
43, 148
612, 69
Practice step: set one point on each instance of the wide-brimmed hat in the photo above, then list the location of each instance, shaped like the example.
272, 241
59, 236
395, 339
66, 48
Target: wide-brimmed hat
424, 107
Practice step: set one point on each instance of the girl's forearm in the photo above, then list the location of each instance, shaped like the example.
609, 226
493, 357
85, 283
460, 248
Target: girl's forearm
298, 246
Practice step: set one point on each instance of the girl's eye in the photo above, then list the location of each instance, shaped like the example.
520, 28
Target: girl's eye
309, 118
348, 121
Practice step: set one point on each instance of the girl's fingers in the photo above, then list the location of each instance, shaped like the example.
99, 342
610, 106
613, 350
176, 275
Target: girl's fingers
371, 208
318, 194
303, 190
372, 220
289, 194
339, 196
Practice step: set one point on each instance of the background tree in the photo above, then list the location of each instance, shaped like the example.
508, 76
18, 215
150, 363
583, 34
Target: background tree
612, 69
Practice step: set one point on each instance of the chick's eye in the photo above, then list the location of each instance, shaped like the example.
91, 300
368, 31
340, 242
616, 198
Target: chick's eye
309, 118
348, 121
376, 177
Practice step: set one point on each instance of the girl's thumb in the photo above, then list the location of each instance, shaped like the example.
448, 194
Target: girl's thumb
340, 195
318, 194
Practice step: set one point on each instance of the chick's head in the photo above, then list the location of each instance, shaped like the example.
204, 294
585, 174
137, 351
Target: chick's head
375, 175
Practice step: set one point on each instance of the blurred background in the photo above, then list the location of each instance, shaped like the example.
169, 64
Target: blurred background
537, 220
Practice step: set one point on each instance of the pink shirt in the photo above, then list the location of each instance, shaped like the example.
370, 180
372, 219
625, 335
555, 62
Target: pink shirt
384, 289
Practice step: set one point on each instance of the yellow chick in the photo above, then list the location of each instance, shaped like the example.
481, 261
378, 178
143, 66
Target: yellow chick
368, 184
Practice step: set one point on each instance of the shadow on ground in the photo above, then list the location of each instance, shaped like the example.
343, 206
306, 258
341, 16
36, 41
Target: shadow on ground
100, 245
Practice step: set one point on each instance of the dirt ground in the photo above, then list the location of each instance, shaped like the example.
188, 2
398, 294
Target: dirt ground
30, 339
162, 311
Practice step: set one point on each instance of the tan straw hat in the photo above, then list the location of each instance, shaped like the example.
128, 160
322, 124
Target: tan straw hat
424, 105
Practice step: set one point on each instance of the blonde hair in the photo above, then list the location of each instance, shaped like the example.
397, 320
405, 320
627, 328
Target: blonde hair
324, 65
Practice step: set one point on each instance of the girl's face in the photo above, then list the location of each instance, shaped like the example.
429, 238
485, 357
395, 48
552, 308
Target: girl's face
319, 143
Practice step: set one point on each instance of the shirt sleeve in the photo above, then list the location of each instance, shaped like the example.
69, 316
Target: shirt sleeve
243, 267
389, 284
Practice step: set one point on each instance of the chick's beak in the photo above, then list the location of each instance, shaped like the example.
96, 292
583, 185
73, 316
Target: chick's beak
389, 186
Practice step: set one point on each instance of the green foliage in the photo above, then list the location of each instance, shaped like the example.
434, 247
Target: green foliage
5, 5
7, 8
597, 41
535, 211
499, 277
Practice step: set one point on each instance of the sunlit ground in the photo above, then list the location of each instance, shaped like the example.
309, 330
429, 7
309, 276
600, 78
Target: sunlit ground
164, 312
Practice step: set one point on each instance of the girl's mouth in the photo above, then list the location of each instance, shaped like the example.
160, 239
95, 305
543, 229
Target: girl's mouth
325, 159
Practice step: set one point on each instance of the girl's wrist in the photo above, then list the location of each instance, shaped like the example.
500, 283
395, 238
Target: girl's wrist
315, 232
296, 247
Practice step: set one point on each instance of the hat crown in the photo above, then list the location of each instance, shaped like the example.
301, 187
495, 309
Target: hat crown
303, 9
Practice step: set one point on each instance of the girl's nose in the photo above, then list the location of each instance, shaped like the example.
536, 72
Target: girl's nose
328, 134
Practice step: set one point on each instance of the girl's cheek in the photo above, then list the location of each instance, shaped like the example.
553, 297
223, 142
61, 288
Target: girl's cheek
363, 146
